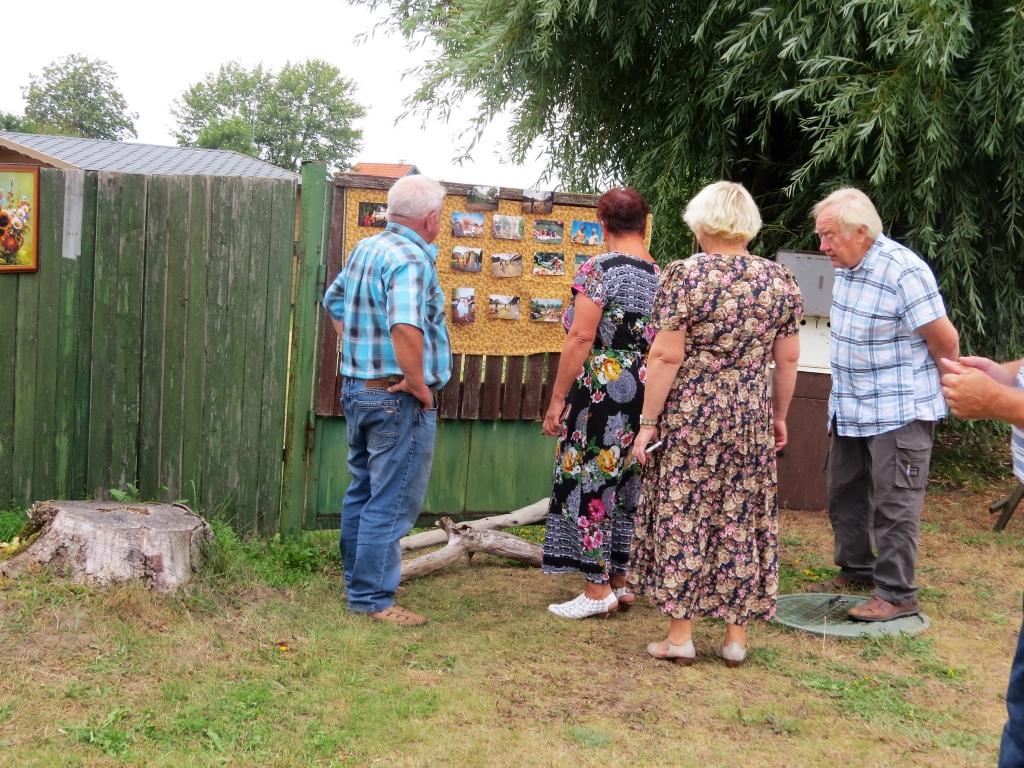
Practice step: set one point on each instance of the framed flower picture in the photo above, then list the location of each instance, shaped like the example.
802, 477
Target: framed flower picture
19, 218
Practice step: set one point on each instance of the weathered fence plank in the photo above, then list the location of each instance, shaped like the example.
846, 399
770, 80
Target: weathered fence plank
448, 408
8, 352
490, 395
83, 373
68, 331
50, 221
512, 397
471, 387
532, 390
272, 415
27, 345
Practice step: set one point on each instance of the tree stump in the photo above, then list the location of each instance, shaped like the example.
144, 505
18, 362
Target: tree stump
105, 542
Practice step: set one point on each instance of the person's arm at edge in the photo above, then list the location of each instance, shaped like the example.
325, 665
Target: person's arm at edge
334, 301
577, 345
667, 353
786, 354
407, 341
972, 393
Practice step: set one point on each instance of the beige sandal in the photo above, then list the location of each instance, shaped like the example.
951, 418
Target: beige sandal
399, 616
681, 654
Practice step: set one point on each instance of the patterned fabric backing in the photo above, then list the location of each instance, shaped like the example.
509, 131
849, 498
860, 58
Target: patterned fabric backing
491, 336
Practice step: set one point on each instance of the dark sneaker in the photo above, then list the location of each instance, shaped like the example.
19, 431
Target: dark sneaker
839, 584
877, 609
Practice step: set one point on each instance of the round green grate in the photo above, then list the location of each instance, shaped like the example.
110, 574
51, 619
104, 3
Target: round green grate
823, 614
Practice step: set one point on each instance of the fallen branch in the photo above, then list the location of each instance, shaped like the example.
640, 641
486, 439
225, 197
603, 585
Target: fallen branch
525, 516
464, 540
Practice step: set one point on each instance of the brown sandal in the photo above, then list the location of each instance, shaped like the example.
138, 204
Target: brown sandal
399, 616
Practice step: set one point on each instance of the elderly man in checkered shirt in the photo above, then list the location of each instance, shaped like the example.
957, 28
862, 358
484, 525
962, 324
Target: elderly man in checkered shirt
889, 332
388, 310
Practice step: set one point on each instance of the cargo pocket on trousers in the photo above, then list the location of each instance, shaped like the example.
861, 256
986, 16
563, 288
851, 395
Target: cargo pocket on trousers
911, 464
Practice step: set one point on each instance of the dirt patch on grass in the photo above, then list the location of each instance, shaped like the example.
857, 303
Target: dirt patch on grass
248, 675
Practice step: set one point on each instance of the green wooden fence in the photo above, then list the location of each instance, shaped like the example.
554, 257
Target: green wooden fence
151, 347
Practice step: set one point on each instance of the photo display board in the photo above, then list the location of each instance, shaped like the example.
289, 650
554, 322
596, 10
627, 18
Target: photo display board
496, 303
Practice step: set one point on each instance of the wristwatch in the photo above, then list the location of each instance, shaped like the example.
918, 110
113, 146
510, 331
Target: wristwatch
648, 422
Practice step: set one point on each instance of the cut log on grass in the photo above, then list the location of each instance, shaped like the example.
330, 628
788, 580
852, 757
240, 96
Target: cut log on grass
463, 540
525, 516
106, 542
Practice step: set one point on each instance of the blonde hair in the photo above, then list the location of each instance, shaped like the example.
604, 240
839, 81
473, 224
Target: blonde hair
723, 209
852, 209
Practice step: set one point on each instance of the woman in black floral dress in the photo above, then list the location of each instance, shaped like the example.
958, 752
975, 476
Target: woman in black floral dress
601, 378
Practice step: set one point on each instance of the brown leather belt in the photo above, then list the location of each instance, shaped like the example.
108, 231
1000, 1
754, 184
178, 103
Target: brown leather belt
390, 381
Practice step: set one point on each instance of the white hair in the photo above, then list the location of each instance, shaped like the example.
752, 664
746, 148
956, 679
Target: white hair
723, 209
415, 197
852, 209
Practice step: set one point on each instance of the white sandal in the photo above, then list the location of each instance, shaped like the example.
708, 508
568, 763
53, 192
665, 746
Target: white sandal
583, 607
733, 653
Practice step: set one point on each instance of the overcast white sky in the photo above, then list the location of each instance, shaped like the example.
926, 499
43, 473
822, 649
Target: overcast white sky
158, 49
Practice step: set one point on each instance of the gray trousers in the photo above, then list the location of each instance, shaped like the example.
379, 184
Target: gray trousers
876, 488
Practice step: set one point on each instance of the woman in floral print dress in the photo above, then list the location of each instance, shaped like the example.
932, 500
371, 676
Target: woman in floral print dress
601, 375
706, 540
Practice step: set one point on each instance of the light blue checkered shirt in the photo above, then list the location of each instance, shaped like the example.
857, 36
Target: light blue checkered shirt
388, 279
1017, 439
882, 374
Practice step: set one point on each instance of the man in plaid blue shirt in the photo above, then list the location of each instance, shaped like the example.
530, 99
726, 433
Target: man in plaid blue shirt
388, 310
889, 331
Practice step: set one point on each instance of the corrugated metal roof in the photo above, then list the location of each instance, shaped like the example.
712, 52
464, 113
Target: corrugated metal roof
129, 157
395, 170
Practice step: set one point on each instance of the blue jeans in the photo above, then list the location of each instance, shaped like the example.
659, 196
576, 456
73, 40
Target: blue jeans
1011, 751
390, 449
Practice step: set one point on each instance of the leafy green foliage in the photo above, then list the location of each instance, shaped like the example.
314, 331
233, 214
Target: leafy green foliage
915, 102
11, 523
17, 123
78, 96
304, 112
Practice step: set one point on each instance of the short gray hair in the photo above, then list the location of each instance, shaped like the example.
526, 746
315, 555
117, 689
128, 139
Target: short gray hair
415, 197
723, 209
852, 209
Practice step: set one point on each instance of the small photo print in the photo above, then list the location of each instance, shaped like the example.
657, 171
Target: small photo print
537, 201
508, 227
545, 231
482, 198
548, 263
581, 259
467, 259
503, 307
546, 310
587, 233
506, 265
464, 305
373, 214
467, 224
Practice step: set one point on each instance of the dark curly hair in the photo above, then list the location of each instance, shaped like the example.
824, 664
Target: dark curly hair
623, 211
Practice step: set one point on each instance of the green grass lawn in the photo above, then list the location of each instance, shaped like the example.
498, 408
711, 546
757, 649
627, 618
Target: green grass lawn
259, 663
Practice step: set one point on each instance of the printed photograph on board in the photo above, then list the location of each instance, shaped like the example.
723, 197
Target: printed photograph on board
579, 261
506, 265
373, 214
508, 227
587, 233
546, 310
467, 259
538, 201
503, 307
464, 305
545, 231
482, 198
19, 214
548, 263
467, 224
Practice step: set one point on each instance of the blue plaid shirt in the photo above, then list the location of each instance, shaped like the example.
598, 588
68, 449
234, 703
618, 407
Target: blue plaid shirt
390, 278
882, 374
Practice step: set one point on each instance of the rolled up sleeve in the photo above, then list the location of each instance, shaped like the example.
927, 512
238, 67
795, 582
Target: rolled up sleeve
919, 299
334, 298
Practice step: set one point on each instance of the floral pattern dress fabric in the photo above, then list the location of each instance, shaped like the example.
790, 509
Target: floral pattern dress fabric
596, 481
706, 536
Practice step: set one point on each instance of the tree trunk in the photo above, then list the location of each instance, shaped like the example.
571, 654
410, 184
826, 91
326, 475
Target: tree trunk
106, 542
525, 516
464, 540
